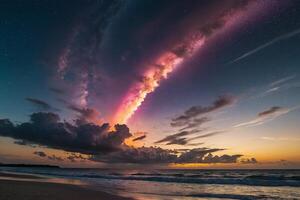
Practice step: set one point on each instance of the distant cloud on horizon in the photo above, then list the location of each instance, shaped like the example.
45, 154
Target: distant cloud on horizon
280, 139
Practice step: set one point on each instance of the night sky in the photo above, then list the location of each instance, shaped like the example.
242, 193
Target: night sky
192, 83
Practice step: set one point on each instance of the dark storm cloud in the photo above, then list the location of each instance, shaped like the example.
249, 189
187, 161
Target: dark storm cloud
46, 129
196, 111
40, 104
139, 138
40, 153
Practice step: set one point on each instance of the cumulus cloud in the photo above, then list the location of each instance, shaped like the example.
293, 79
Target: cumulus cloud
265, 116
195, 111
47, 129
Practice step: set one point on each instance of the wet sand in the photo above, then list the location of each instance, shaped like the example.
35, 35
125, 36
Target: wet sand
33, 190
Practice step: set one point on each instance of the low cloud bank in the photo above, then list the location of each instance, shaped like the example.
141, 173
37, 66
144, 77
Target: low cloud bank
100, 143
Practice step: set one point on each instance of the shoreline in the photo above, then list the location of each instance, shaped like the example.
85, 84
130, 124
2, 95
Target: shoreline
12, 186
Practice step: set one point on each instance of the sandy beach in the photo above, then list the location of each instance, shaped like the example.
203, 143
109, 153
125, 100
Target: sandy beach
33, 190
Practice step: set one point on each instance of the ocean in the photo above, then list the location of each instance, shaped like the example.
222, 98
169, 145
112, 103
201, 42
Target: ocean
179, 184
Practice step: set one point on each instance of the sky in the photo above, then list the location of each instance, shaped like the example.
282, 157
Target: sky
208, 84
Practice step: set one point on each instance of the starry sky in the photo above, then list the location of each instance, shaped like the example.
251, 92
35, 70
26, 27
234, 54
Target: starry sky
182, 83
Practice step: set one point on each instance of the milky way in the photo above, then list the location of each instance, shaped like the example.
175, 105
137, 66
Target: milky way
170, 60
78, 64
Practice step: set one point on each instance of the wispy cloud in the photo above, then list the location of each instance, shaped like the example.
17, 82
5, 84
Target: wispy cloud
282, 80
189, 119
280, 139
261, 47
40, 104
139, 138
182, 138
265, 116
177, 137
284, 83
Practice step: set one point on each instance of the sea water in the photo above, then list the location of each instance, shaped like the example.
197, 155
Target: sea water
167, 184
